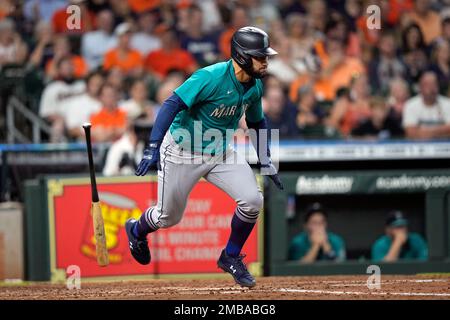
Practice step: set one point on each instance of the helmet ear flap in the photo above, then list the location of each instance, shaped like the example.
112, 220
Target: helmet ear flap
242, 59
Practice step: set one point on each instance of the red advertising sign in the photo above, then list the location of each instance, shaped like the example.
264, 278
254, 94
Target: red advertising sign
192, 246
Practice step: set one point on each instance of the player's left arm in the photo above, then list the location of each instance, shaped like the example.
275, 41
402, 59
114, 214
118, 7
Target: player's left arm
260, 137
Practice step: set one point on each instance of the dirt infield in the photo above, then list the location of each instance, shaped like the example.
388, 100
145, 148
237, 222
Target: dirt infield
297, 288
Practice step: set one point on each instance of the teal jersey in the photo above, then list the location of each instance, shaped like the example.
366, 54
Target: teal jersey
300, 245
415, 248
216, 102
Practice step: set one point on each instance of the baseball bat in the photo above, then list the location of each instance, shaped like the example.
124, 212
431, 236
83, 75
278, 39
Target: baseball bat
96, 212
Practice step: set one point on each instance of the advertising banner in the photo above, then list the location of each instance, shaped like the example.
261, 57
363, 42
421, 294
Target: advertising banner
372, 182
191, 247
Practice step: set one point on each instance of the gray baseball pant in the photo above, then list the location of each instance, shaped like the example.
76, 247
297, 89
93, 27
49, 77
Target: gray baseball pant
180, 171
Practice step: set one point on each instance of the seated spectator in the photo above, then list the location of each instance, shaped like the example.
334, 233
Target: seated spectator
309, 114
56, 94
382, 124
212, 20
62, 49
128, 60
122, 11
42, 10
12, 48
428, 21
116, 78
350, 110
427, 115
331, 71
316, 243
61, 18
261, 13
239, 19
124, 154
441, 64
138, 104
398, 95
386, 65
288, 7
110, 123
280, 113
337, 28
170, 57
445, 26
201, 45
42, 50
144, 40
78, 110
94, 44
414, 52
283, 65
300, 38
318, 14
140, 6
398, 243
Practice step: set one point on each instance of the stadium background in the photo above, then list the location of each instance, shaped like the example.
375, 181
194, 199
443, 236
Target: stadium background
327, 85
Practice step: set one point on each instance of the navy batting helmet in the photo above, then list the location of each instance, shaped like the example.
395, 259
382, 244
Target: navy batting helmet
250, 42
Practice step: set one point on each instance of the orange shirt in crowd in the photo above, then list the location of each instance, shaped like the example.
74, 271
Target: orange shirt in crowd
325, 88
111, 119
354, 115
224, 42
397, 8
79, 64
132, 60
371, 36
161, 61
60, 18
143, 5
430, 25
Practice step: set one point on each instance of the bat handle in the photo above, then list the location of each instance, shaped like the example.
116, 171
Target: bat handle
87, 131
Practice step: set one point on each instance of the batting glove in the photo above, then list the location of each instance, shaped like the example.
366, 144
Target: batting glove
150, 160
272, 172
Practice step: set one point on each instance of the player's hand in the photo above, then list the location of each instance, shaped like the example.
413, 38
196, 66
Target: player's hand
318, 237
150, 160
400, 236
272, 172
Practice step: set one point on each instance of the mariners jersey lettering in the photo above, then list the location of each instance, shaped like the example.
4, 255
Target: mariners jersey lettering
216, 102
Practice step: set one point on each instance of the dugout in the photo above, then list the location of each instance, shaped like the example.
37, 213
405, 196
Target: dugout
357, 202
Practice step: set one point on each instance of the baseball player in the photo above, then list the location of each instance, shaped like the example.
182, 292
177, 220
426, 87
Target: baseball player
191, 139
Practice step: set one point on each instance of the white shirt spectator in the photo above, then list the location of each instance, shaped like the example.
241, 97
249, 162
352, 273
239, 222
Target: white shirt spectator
79, 109
212, 20
133, 108
56, 94
145, 43
416, 113
262, 15
282, 70
94, 45
116, 153
8, 53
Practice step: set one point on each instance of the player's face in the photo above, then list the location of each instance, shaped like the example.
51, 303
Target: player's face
317, 222
260, 66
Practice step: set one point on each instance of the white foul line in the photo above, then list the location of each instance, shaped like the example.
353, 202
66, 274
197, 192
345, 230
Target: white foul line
375, 293
231, 290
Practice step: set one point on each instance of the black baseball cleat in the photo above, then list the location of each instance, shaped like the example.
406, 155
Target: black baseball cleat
236, 267
138, 247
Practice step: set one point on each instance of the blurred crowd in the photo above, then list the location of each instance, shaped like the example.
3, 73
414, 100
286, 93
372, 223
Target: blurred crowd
334, 77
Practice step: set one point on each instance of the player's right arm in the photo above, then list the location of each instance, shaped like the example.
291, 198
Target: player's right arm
170, 108
193, 91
